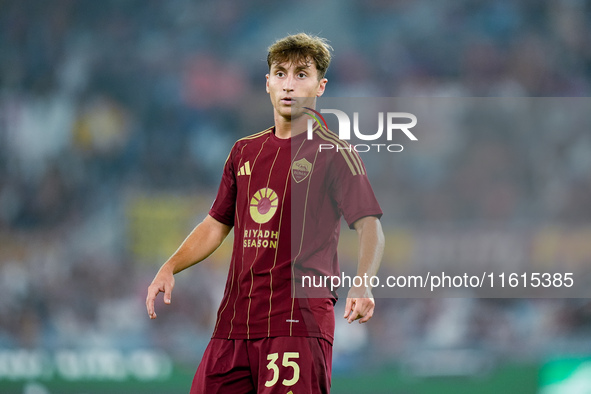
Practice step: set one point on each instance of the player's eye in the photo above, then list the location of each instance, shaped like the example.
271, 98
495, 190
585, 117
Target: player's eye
280, 74
302, 75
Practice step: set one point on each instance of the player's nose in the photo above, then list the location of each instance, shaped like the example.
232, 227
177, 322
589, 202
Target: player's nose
288, 83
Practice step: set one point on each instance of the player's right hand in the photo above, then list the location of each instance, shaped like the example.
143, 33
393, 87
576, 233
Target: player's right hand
162, 283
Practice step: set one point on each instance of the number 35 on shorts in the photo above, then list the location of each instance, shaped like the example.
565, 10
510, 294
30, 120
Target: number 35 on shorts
287, 362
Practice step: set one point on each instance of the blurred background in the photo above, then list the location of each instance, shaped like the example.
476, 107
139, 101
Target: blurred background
116, 117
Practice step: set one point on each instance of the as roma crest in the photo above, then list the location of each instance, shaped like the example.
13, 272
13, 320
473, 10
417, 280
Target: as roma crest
300, 170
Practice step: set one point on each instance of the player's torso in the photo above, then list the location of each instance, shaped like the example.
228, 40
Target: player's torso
284, 201
261, 224
258, 299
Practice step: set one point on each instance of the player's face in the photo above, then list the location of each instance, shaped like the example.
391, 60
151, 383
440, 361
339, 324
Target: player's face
293, 86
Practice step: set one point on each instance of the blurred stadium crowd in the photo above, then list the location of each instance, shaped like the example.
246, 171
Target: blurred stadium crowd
106, 108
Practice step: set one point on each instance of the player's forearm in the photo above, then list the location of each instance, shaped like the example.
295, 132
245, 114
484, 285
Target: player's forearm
371, 245
205, 238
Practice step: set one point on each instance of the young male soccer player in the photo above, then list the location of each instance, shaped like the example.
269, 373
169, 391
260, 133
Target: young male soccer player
284, 199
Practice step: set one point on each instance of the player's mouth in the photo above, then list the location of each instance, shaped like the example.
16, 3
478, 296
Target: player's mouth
288, 100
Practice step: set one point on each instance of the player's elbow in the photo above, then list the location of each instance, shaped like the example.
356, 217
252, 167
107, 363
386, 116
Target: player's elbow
369, 224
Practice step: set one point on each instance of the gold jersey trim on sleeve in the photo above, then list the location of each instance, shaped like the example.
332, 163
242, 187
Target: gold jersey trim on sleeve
351, 157
256, 135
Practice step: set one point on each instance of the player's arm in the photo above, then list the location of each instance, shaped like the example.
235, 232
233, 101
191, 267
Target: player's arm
360, 302
205, 238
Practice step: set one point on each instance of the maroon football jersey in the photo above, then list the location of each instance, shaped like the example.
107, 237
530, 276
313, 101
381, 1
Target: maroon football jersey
285, 199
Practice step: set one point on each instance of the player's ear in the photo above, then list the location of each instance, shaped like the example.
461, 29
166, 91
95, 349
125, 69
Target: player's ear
321, 87
267, 83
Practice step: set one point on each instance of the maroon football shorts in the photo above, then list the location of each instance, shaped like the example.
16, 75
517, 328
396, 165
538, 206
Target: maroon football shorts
265, 366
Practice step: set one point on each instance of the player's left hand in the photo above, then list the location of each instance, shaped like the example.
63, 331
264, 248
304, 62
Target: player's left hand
360, 305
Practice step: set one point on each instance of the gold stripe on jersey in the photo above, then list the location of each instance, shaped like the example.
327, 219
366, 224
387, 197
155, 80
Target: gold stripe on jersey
237, 214
346, 150
358, 160
250, 137
248, 194
301, 243
233, 268
257, 252
256, 135
287, 181
347, 160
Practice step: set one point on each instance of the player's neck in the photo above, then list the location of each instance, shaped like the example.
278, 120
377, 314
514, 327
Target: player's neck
287, 128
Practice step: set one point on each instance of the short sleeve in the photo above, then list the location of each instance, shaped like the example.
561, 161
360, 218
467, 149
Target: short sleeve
224, 206
351, 189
